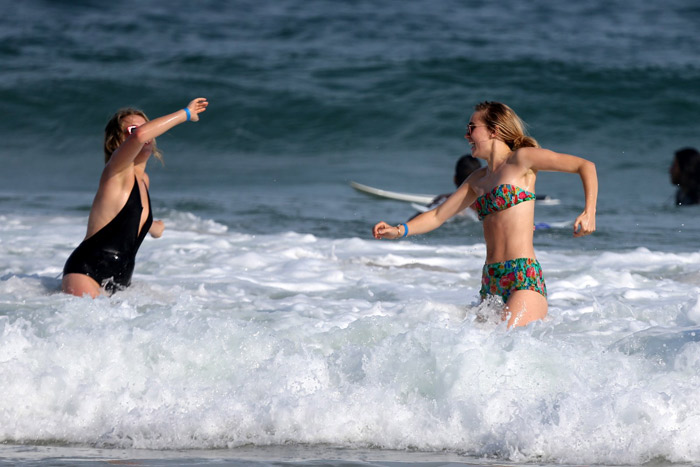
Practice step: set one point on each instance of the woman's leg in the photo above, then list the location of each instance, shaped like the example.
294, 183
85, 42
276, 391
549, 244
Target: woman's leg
80, 284
524, 307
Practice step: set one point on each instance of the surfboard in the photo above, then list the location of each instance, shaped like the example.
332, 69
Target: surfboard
423, 199
420, 203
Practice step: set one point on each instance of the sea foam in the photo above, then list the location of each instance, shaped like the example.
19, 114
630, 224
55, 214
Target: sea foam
228, 339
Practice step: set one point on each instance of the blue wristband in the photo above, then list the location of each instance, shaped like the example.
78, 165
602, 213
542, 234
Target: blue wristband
405, 230
187, 111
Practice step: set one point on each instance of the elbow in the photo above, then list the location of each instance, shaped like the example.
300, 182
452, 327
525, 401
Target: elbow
588, 167
140, 135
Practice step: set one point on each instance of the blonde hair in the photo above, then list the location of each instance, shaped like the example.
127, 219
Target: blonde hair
115, 135
505, 122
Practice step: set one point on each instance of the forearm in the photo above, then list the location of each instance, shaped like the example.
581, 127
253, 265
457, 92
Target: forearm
423, 223
160, 125
589, 178
420, 224
429, 220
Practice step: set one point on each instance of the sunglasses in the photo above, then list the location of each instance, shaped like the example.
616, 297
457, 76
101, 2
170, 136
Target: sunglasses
130, 129
471, 126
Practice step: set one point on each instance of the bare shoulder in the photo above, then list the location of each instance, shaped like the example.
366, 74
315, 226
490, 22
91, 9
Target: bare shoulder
473, 179
477, 175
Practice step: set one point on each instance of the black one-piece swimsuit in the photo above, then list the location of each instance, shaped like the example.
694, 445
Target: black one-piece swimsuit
109, 255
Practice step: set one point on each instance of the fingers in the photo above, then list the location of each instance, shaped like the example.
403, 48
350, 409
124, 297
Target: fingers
197, 106
382, 230
579, 229
198, 102
378, 230
583, 226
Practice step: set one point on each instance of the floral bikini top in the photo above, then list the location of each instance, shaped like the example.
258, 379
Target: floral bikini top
500, 198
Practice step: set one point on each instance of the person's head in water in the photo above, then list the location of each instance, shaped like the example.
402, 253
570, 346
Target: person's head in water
464, 168
685, 173
117, 130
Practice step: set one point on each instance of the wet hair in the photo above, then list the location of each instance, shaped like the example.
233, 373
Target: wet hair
464, 168
115, 134
687, 176
508, 126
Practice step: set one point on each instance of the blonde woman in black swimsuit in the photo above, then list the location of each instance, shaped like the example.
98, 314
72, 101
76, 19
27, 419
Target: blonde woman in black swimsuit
121, 215
504, 193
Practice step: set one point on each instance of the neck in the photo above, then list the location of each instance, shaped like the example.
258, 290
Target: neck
141, 161
140, 168
500, 152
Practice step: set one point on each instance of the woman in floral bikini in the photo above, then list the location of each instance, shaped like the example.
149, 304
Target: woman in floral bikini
504, 193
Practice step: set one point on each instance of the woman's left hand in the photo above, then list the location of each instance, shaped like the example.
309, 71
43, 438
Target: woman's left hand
197, 106
156, 229
584, 225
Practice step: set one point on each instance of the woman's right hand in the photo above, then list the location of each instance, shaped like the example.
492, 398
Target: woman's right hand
197, 106
384, 230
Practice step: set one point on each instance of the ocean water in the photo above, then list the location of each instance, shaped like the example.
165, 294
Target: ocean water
267, 324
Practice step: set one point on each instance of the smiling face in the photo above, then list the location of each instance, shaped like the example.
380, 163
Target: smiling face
478, 134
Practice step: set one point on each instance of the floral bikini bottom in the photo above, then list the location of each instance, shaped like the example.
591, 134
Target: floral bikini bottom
515, 274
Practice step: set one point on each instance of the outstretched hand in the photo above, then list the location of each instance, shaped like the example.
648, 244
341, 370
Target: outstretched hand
584, 225
197, 106
384, 230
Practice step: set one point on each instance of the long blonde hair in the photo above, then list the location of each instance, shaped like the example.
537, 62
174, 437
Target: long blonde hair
115, 135
505, 122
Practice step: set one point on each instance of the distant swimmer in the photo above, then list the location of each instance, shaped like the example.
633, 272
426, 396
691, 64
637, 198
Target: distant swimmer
502, 192
121, 213
685, 174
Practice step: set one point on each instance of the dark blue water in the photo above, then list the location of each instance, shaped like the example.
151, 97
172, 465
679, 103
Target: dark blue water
306, 96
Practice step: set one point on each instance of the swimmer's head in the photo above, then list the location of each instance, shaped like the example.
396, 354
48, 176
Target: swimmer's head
116, 132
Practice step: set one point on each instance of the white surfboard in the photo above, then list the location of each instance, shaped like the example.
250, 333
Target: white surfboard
423, 199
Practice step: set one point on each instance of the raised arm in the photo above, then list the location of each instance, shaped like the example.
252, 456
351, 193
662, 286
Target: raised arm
429, 220
127, 152
544, 159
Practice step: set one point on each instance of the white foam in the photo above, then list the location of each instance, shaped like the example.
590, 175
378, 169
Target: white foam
227, 339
